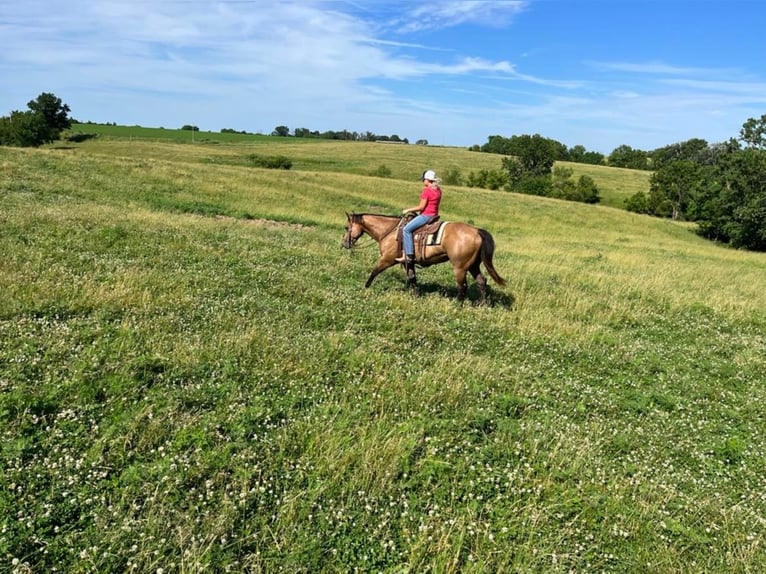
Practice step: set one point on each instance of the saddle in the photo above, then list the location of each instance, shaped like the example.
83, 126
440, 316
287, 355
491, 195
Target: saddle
424, 236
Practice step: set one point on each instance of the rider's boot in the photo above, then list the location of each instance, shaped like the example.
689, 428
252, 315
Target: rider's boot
408, 258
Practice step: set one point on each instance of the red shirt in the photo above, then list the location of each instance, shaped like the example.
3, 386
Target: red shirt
432, 195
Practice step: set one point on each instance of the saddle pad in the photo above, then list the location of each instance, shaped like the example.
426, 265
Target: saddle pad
435, 238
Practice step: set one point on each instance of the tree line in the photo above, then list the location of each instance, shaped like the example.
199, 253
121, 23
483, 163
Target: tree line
721, 187
284, 131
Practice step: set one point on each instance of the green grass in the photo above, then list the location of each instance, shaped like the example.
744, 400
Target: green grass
193, 378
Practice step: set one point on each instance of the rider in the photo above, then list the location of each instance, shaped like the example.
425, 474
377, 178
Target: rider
428, 210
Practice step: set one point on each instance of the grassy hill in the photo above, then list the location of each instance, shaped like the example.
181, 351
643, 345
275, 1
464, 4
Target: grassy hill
401, 161
193, 378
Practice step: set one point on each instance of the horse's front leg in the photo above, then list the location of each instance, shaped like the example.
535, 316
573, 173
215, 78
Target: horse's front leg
381, 266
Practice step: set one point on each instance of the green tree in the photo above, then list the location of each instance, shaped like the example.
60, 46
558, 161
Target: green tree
753, 132
23, 129
637, 203
497, 144
732, 207
564, 186
626, 156
691, 150
43, 123
674, 186
587, 190
536, 154
282, 131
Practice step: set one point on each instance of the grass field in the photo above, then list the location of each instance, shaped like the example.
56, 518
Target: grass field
193, 378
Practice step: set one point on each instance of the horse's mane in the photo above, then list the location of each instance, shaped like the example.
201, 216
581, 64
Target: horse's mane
356, 217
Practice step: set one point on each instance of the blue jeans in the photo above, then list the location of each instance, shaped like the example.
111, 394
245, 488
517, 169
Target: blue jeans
409, 229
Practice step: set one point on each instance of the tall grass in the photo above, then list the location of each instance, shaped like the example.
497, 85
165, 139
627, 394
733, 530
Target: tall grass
193, 378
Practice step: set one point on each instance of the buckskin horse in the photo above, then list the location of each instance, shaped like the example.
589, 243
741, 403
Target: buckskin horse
463, 245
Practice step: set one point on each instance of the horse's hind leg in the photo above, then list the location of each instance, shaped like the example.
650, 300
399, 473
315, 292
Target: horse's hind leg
462, 284
480, 281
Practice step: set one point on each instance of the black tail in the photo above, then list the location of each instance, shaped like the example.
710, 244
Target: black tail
487, 250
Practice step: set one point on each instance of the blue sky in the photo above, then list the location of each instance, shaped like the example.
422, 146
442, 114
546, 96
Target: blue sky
598, 73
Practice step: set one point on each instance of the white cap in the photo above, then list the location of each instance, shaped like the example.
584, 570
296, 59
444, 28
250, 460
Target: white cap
429, 174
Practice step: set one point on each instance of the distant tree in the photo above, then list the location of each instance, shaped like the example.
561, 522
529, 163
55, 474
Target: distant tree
732, 206
714, 152
54, 112
637, 203
674, 187
190, 128
626, 156
537, 185
576, 153
564, 186
690, 150
488, 179
453, 176
281, 131
43, 123
753, 132
23, 129
421, 142
497, 144
523, 146
536, 154
587, 190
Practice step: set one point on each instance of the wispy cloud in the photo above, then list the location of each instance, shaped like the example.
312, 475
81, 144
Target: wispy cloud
438, 15
653, 68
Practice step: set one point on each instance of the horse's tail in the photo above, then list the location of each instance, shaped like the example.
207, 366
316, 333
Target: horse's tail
487, 250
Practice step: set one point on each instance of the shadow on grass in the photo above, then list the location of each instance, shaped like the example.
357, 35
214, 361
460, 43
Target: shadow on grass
495, 297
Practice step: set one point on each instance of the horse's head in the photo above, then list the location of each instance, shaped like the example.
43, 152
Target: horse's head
354, 230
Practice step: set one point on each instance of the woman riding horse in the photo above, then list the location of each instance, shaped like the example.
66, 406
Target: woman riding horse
427, 209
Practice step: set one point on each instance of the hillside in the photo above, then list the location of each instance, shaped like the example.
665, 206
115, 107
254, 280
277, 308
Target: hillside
362, 158
193, 377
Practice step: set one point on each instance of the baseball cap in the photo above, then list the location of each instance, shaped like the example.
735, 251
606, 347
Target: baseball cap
429, 174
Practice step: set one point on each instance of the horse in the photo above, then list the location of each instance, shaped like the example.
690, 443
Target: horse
463, 245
